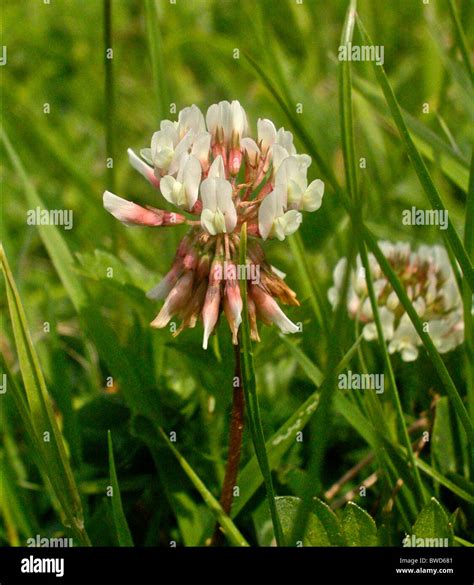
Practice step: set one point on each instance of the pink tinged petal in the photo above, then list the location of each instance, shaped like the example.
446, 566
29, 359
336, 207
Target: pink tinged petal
144, 170
235, 160
253, 319
251, 150
210, 312
130, 213
163, 288
268, 308
175, 301
233, 308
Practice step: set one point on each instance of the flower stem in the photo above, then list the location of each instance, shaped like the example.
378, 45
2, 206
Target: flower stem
235, 445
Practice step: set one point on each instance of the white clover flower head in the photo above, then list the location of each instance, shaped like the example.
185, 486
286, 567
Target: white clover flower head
429, 282
212, 169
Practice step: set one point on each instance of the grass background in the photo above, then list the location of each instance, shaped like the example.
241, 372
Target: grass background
100, 367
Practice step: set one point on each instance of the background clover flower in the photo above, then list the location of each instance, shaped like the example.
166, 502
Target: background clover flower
221, 177
430, 285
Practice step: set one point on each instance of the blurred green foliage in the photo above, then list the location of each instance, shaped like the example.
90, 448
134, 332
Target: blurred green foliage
56, 57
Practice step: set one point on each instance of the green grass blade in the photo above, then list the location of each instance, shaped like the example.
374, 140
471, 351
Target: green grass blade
431, 146
109, 97
53, 241
155, 47
41, 411
467, 294
345, 106
461, 37
251, 398
348, 148
229, 528
422, 172
124, 535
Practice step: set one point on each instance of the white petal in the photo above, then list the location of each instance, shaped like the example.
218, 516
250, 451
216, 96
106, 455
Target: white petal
250, 148
168, 188
201, 147
238, 119
224, 195
313, 196
139, 165
191, 180
212, 118
266, 133
145, 153
181, 148
217, 169
292, 221
190, 118
267, 214
279, 154
207, 221
285, 139
208, 194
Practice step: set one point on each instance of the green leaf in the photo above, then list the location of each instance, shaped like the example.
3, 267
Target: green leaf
322, 527
124, 536
445, 449
41, 414
359, 527
433, 524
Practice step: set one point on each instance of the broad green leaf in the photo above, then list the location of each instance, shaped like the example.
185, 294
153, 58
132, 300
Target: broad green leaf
445, 450
433, 526
322, 528
124, 536
359, 527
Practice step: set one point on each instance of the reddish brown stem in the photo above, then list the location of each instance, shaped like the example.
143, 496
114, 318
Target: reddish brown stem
236, 432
